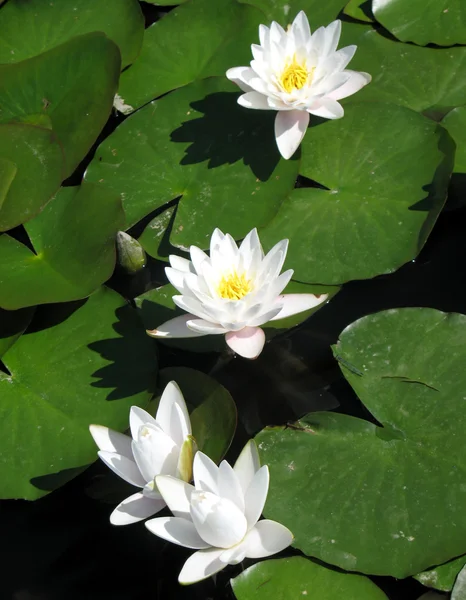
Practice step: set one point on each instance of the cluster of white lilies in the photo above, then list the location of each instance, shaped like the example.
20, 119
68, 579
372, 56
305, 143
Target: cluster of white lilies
232, 291
218, 516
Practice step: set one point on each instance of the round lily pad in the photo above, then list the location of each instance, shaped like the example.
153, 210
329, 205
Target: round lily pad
383, 172
284, 11
79, 363
365, 496
298, 577
197, 143
423, 22
33, 27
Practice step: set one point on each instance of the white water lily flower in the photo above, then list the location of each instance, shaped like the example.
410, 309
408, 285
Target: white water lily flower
232, 292
219, 515
163, 445
298, 74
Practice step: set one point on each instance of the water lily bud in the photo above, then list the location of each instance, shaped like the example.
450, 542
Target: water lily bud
131, 255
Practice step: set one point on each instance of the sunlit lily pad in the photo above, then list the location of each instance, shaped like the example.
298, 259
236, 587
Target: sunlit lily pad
197, 143
210, 38
298, 577
442, 577
384, 173
360, 10
440, 22
79, 363
381, 515
74, 243
73, 84
32, 27
284, 11
455, 124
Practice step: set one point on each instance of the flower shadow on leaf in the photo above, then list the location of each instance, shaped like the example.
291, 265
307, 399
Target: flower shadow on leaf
227, 133
130, 356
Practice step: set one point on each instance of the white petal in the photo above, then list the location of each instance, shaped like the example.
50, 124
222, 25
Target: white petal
216, 240
176, 530
135, 508
175, 328
264, 33
198, 256
328, 109
172, 414
256, 496
137, 418
356, 81
267, 538
301, 29
229, 485
233, 556
325, 39
247, 465
264, 317
200, 565
205, 327
335, 62
176, 493
155, 453
254, 100
123, 467
277, 33
290, 127
111, 441
273, 262
247, 342
296, 303
181, 264
239, 75
205, 473
176, 278
218, 520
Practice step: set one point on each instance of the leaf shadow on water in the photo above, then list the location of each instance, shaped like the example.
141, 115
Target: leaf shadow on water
133, 365
227, 132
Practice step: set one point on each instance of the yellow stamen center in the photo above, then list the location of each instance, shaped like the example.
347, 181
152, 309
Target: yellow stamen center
234, 286
294, 76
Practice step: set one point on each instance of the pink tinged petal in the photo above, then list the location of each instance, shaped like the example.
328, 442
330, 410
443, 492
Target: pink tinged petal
123, 467
296, 303
229, 485
111, 441
175, 328
254, 100
247, 465
177, 531
135, 508
218, 521
256, 496
205, 327
205, 473
180, 264
290, 127
137, 418
247, 342
267, 538
155, 453
172, 413
239, 76
176, 493
328, 109
356, 81
200, 565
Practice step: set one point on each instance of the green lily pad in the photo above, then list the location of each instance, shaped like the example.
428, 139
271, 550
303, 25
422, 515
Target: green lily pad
197, 143
13, 324
366, 497
74, 243
385, 172
360, 10
79, 363
31, 170
442, 577
440, 22
212, 409
74, 84
155, 239
455, 124
298, 577
429, 80
33, 27
284, 11
194, 41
